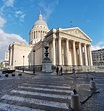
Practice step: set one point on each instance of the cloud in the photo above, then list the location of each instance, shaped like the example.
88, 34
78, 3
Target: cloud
48, 7
20, 15
9, 3
6, 39
99, 45
6, 3
2, 22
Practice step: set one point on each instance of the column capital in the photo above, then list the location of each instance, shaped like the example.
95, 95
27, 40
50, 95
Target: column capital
59, 38
54, 35
80, 42
67, 40
54, 30
73, 40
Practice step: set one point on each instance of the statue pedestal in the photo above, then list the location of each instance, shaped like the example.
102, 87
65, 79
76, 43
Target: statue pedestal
46, 65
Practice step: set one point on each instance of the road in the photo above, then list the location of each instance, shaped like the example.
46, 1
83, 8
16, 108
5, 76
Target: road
48, 92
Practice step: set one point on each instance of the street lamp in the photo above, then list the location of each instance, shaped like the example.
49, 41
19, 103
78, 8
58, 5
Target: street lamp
34, 61
23, 62
15, 64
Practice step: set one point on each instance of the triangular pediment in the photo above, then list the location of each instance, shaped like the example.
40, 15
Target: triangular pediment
76, 32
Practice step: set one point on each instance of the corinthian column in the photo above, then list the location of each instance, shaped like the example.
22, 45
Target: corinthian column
32, 35
54, 50
80, 53
90, 55
59, 51
85, 54
67, 51
74, 53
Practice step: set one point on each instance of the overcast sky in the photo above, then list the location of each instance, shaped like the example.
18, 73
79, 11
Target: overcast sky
18, 16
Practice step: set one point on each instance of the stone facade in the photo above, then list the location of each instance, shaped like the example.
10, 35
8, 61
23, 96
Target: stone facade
5, 63
98, 57
70, 46
16, 53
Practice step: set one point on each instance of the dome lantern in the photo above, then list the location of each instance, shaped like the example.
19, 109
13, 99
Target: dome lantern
40, 21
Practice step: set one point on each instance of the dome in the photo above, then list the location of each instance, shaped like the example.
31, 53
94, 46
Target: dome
40, 21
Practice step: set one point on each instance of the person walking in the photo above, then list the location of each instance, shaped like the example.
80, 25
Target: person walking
57, 70
73, 70
61, 71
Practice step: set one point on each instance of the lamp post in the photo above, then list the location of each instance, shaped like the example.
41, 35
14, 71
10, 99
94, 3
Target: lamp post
34, 61
15, 64
23, 62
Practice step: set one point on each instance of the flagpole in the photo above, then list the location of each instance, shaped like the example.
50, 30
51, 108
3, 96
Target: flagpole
70, 23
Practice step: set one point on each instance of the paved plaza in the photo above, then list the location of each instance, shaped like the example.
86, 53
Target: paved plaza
49, 92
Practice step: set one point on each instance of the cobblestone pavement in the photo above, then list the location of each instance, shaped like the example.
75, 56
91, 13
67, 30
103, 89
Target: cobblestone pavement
49, 92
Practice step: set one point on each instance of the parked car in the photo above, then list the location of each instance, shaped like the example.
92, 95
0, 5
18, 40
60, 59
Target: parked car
6, 70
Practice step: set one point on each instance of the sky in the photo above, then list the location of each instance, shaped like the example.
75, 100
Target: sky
17, 18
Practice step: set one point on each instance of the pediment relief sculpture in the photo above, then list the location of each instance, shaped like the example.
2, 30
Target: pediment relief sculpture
78, 33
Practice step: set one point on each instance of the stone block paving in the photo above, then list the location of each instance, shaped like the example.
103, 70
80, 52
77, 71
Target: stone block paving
49, 92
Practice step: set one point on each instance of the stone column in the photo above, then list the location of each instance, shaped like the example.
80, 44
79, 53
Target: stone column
67, 51
74, 53
32, 36
90, 55
35, 34
54, 50
80, 53
41, 35
85, 54
59, 51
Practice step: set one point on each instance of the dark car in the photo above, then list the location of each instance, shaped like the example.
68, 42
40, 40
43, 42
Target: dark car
6, 70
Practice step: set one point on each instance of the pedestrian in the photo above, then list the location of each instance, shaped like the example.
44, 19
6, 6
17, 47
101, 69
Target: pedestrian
61, 71
73, 70
57, 70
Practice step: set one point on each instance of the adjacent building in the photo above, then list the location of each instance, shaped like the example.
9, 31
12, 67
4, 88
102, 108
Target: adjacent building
5, 63
98, 57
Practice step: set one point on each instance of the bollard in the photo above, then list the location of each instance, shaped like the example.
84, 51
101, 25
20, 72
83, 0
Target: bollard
92, 86
75, 101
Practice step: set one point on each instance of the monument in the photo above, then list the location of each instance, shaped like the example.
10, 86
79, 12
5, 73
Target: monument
46, 64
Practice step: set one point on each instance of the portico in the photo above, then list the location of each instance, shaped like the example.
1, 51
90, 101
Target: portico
68, 48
